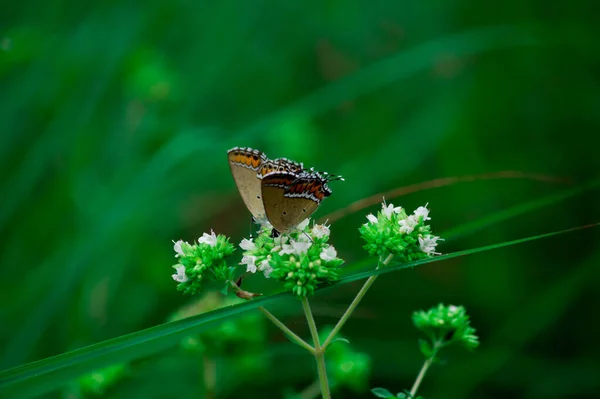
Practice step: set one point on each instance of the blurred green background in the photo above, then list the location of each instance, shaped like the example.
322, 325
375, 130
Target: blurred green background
117, 116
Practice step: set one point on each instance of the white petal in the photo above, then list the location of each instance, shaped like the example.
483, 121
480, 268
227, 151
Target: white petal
302, 225
328, 253
320, 231
422, 211
180, 276
210, 239
177, 248
250, 262
266, 268
407, 225
247, 245
372, 218
300, 247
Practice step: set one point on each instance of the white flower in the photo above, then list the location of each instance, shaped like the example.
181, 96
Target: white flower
250, 262
428, 245
301, 247
389, 209
266, 268
408, 225
328, 253
177, 248
247, 245
372, 218
302, 225
279, 243
180, 276
320, 231
295, 247
422, 211
210, 239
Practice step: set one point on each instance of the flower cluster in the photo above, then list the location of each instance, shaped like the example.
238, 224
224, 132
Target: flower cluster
393, 232
301, 259
445, 325
200, 261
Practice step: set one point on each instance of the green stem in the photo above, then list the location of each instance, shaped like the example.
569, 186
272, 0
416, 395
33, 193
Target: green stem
311, 391
291, 335
437, 345
353, 305
210, 377
319, 351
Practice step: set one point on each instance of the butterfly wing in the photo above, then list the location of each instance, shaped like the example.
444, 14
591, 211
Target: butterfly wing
274, 186
280, 165
289, 198
245, 164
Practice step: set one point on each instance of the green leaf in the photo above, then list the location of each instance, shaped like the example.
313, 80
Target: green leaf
339, 339
382, 393
51, 373
426, 348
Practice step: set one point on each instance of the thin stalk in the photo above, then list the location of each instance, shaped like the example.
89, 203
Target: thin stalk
311, 391
209, 371
428, 362
354, 304
291, 335
319, 352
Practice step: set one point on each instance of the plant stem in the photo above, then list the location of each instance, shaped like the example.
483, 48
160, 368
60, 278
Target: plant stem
353, 305
437, 345
319, 351
210, 377
311, 391
291, 335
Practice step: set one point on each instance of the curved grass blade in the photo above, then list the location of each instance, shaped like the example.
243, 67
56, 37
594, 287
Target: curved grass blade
402, 65
47, 374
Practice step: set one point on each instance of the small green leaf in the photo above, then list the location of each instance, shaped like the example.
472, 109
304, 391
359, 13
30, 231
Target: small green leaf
382, 393
225, 289
339, 339
426, 348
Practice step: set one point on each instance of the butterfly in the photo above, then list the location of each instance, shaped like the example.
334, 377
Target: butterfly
280, 190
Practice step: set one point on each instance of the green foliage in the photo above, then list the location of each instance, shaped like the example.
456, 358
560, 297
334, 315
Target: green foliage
116, 119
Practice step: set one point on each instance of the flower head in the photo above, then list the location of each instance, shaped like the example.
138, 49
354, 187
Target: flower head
301, 259
445, 325
393, 232
200, 261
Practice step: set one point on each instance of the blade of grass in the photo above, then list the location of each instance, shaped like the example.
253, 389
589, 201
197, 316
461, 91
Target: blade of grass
45, 375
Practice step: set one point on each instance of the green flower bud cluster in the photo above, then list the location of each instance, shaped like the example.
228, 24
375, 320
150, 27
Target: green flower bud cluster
301, 259
443, 326
202, 261
345, 366
393, 232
